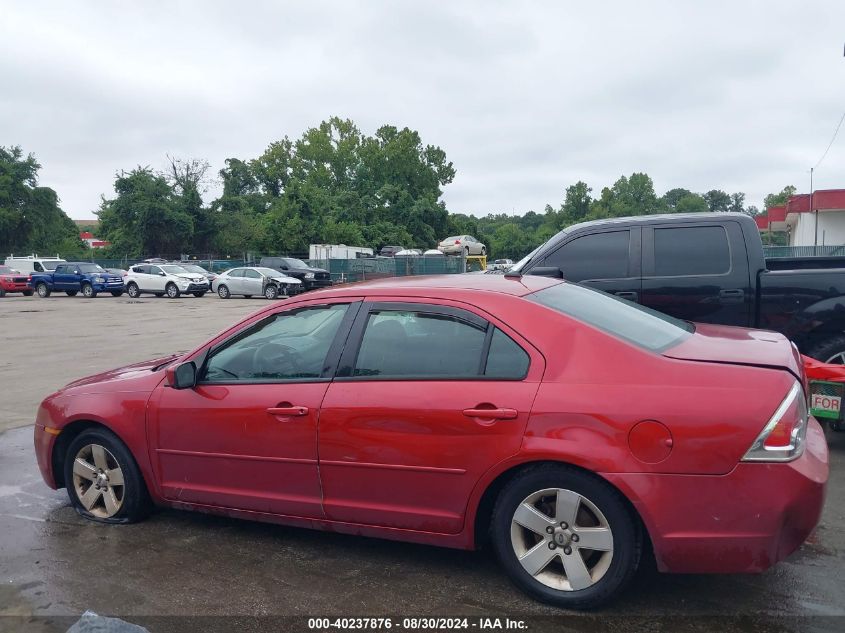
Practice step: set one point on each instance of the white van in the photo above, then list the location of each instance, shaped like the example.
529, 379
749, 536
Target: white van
34, 263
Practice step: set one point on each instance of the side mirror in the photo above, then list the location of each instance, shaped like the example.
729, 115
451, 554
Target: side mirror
182, 376
547, 271
162, 274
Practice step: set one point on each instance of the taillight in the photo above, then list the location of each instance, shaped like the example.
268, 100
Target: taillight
782, 439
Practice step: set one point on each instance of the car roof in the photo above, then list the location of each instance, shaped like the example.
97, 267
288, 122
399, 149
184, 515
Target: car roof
453, 285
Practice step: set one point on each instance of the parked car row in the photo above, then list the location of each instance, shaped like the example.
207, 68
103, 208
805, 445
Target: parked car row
275, 277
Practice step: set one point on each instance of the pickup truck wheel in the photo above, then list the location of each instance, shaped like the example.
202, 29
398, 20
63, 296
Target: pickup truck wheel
133, 290
42, 290
103, 481
172, 291
223, 292
88, 291
271, 292
829, 350
565, 537
71, 293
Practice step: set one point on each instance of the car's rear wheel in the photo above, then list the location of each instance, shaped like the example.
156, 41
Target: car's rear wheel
103, 481
223, 292
271, 292
42, 290
565, 537
829, 350
71, 293
172, 291
133, 290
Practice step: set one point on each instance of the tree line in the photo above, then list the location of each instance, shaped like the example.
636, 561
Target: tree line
334, 185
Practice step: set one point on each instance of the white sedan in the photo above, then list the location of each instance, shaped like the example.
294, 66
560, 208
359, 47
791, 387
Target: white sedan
255, 280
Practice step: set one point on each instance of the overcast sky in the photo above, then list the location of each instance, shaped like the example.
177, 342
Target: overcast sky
525, 97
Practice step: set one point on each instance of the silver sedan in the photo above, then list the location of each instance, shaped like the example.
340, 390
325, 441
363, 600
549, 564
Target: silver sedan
255, 281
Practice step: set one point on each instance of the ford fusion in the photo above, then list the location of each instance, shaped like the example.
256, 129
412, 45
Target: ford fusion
571, 431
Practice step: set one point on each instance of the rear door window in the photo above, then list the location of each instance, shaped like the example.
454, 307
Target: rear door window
694, 250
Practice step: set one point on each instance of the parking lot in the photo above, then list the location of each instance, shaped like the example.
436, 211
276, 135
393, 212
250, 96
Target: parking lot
55, 565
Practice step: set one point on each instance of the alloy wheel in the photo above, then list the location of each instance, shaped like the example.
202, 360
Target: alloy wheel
561, 539
837, 359
98, 481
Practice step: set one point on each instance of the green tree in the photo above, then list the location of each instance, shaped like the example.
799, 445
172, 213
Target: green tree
145, 218
717, 200
778, 199
691, 203
30, 216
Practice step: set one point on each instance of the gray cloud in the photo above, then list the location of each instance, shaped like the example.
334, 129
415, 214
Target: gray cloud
526, 98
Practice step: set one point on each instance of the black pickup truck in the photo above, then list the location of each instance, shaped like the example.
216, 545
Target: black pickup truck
705, 267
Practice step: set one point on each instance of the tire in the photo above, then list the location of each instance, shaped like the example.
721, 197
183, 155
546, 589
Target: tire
829, 350
116, 293
199, 294
271, 292
158, 294
88, 291
172, 291
28, 293
133, 290
247, 296
91, 452
71, 293
223, 292
42, 290
604, 571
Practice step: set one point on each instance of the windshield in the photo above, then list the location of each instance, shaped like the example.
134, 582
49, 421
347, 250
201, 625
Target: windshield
623, 319
518, 265
174, 270
268, 272
90, 268
295, 263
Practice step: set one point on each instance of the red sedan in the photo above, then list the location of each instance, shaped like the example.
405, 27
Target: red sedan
567, 428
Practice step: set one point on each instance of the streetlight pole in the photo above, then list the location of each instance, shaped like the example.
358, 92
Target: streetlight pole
816, 238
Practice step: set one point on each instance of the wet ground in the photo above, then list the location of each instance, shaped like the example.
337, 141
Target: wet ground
186, 571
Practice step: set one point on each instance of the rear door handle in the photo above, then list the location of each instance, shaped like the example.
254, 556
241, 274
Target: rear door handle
630, 296
492, 414
286, 412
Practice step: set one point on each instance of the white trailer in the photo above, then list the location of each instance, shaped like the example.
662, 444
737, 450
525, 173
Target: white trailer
337, 251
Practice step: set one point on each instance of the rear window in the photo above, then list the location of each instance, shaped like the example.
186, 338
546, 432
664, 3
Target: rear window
623, 319
694, 250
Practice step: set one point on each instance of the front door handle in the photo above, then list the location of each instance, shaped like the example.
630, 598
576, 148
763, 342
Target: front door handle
288, 411
732, 295
630, 296
492, 414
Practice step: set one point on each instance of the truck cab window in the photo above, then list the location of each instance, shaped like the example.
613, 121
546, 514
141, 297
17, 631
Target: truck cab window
597, 256
694, 250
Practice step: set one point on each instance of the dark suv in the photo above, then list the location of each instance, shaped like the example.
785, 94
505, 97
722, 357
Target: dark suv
390, 251
311, 278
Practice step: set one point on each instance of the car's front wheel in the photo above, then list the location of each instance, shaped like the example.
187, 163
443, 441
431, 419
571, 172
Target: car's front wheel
133, 290
103, 481
88, 291
172, 291
42, 290
271, 292
565, 537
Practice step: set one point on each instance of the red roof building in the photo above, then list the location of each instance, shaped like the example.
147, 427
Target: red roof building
817, 219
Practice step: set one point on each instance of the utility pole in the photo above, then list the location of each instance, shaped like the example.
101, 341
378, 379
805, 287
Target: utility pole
816, 238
